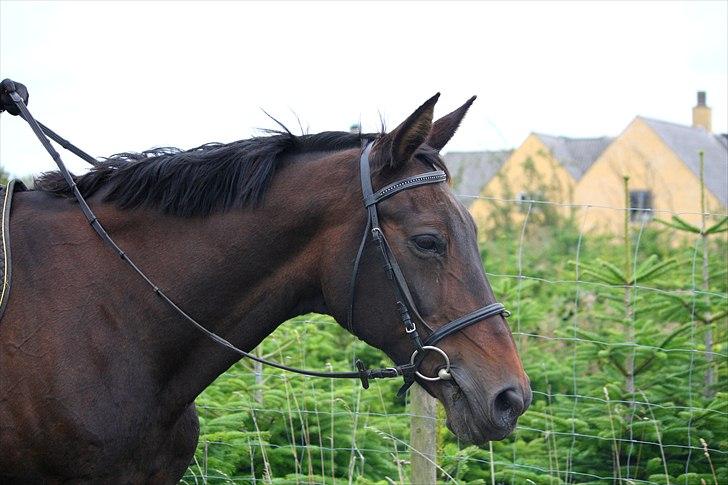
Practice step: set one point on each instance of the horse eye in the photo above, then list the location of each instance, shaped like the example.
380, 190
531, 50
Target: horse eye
428, 243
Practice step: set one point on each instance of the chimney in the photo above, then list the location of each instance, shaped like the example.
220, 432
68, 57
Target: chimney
701, 113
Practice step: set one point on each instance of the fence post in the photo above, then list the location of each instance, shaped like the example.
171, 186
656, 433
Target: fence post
423, 436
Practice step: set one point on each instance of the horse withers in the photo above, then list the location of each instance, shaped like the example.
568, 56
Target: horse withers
98, 378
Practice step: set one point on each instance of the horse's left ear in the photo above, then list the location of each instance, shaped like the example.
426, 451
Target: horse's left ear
399, 145
444, 128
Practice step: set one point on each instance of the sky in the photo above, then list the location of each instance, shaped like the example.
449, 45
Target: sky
128, 76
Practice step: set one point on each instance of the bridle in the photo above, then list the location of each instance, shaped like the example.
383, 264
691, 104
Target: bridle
403, 297
404, 302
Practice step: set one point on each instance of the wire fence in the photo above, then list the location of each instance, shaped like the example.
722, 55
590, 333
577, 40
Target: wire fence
619, 374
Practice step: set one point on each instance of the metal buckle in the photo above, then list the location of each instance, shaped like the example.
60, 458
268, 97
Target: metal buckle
411, 329
442, 374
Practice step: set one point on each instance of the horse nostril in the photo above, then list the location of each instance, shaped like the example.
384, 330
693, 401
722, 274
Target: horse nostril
508, 405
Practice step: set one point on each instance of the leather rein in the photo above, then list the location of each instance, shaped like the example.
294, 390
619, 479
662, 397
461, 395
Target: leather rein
404, 302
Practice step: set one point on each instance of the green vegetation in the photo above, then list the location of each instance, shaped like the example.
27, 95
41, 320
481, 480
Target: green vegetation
625, 340
612, 332
5, 178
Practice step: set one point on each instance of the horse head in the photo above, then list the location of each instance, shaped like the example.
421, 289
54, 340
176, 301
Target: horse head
432, 239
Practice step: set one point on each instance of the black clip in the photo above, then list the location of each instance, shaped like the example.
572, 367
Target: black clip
408, 373
7, 87
363, 373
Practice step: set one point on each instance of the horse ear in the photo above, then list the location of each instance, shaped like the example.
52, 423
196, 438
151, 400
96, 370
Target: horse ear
444, 128
402, 142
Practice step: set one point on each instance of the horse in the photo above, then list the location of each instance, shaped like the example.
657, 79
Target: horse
98, 378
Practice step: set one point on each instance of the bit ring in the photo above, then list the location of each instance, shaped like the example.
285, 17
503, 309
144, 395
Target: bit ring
443, 374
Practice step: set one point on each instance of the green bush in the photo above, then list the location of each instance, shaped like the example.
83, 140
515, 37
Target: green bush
581, 325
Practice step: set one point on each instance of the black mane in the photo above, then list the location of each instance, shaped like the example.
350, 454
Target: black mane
203, 180
199, 181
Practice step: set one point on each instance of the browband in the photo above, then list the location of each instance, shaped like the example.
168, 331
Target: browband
434, 177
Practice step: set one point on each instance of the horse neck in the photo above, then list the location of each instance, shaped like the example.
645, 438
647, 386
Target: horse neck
240, 273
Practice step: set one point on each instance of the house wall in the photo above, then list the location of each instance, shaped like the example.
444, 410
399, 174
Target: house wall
531, 169
650, 164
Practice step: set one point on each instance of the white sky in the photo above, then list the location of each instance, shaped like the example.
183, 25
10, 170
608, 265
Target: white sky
125, 76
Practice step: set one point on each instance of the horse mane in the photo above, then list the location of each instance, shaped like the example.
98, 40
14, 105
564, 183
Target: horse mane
196, 182
210, 178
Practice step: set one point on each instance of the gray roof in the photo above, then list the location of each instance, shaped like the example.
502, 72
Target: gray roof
687, 141
576, 155
471, 171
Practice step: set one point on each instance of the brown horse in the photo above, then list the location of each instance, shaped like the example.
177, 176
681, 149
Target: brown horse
98, 378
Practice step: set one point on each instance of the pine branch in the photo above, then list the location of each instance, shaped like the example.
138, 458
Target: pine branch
662, 347
721, 226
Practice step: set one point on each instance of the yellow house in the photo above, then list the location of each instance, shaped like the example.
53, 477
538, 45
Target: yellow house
662, 162
542, 168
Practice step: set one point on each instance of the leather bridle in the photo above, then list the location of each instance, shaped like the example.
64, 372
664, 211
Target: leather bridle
405, 304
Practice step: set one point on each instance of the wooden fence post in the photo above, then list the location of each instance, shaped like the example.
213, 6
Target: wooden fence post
423, 438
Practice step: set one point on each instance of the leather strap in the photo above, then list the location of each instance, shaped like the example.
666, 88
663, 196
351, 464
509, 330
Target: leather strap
403, 302
6, 261
465, 321
434, 177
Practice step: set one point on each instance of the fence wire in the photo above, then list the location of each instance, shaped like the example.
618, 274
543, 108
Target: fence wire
328, 431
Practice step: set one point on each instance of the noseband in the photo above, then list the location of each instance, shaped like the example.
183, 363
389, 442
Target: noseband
404, 302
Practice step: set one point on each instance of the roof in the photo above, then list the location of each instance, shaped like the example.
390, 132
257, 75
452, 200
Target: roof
471, 171
687, 141
576, 155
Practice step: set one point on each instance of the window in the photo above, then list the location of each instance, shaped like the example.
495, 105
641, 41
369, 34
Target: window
640, 205
527, 199
524, 201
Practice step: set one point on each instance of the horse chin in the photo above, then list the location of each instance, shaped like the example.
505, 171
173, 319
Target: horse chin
467, 419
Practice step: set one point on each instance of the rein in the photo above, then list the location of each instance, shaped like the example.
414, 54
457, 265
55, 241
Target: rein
404, 302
